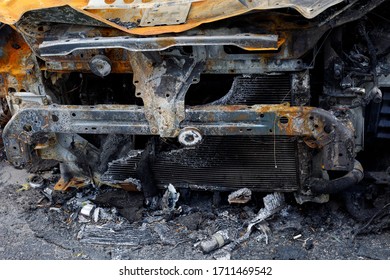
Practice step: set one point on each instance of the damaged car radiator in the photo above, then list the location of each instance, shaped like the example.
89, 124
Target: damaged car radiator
259, 89
263, 163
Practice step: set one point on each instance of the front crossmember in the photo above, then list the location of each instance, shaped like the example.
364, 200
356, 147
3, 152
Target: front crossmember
318, 128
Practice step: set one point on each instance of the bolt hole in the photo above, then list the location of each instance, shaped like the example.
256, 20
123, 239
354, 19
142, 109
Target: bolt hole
283, 120
270, 130
15, 148
138, 94
27, 128
136, 82
340, 154
54, 118
73, 114
167, 95
261, 115
249, 129
316, 125
94, 128
311, 118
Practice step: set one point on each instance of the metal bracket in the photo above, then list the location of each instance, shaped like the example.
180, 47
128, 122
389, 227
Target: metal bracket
17, 100
163, 87
166, 15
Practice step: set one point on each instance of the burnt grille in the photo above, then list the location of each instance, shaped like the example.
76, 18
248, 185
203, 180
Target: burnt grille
227, 162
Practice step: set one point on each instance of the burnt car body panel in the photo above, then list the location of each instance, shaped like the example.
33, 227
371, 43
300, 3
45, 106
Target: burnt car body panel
213, 95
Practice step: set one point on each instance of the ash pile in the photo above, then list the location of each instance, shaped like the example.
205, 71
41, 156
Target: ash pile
212, 225
180, 224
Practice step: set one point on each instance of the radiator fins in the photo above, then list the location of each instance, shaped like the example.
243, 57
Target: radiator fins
254, 89
261, 90
229, 162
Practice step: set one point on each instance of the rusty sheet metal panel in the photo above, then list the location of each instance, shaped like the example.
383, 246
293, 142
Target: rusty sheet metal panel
133, 11
17, 64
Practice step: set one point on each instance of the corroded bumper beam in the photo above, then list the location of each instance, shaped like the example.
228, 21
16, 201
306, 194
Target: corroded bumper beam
320, 129
245, 41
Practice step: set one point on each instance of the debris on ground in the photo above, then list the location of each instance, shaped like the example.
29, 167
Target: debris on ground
115, 223
88, 209
217, 240
129, 205
240, 196
36, 181
272, 204
165, 234
23, 187
119, 234
169, 199
379, 221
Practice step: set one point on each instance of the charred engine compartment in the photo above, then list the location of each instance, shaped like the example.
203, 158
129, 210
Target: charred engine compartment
269, 100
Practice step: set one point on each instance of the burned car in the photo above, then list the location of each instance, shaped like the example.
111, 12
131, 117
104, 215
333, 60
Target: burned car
214, 95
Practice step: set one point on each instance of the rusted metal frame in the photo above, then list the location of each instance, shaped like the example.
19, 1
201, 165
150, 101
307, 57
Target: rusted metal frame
321, 128
244, 41
162, 85
19, 70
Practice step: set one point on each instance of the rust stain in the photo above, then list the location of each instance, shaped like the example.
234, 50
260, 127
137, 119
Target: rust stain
14, 65
75, 182
61, 185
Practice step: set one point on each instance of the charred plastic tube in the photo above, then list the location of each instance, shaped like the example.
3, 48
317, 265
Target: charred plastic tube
353, 177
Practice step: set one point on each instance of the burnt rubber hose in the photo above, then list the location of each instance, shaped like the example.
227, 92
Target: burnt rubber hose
318, 185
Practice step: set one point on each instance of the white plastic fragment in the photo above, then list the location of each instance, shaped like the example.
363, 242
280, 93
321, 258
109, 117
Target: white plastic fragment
170, 198
87, 210
96, 215
297, 236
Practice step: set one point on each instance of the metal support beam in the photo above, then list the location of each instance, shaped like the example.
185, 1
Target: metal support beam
245, 41
320, 129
